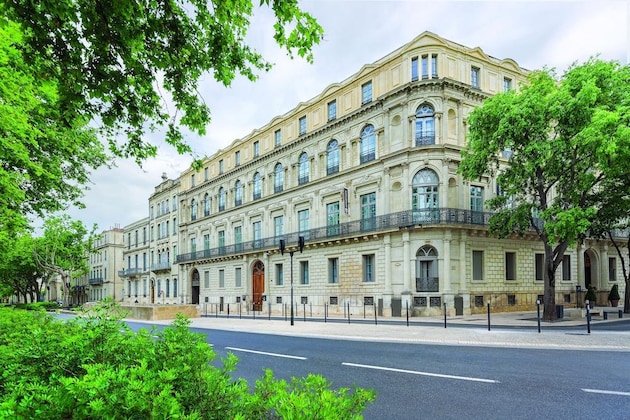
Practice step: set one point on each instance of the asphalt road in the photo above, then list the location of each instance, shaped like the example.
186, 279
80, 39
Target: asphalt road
446, 382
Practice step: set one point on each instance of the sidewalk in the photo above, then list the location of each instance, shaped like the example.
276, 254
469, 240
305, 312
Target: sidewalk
511, 329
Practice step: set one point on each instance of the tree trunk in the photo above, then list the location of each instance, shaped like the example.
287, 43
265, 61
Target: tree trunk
549, 309
626, 299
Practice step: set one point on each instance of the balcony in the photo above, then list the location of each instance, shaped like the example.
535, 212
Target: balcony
425, 139
161, 266
96, 281
131, 272
393, 221
427, 284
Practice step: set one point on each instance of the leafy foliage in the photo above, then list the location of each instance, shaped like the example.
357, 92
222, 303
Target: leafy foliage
45, 155
569, 142
112, 372
126, 62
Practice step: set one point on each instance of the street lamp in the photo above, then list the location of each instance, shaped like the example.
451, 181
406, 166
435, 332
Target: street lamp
282, 248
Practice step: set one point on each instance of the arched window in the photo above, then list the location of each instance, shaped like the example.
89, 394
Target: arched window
206, 205
168, 288
425, 201
238, 193
221, 199
257, 186
427, 279
278, 181
425, 125
368, 143
303, 169
193, 210
332, 157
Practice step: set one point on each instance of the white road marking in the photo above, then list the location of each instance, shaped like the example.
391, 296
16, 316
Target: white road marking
415, 372
286, 356
603, 391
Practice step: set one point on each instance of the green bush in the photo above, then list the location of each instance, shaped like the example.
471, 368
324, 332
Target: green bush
94, 366
46, 306
614, 293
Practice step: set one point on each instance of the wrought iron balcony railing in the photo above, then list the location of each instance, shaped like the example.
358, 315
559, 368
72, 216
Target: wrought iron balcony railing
128, 272
401, 220
96, 281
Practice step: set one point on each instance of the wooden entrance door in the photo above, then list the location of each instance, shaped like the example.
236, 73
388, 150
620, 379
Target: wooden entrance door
258, 285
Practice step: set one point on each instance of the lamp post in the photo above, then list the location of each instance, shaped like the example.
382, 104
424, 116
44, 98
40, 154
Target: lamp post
291, 252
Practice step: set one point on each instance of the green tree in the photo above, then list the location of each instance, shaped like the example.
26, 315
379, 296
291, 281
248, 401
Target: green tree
568, 141
19, 273
45, 154
63, 250
125, 62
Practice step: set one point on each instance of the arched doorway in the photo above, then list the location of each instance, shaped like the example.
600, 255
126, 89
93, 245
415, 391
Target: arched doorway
195, 287
427, 279
591, 274
258, 285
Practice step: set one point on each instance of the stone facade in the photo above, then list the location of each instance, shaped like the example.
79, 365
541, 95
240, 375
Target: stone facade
367, 174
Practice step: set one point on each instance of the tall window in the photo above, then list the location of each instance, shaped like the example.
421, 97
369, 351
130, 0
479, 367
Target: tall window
612, 269
425, 66
221, 240
221, 166
434, 72
277, 135
332, 157
477, 265
206, 279
368, 268
193, 244
206, 174
238, 238
368, 143
221, 278
192, 180
539, 262
304, 272
237, 277
279, 275
174, 225
256, 148
427, 279
206, 205
174, 287
257, 233
237, 158
257, 186
193, 211
366, 93
507, 84
278, 179
278, 226
510, 265
302, 124
368, 211
425, 125
332, 218
414, 69
332, 110
303, 169
238, 193
206, 241
476, 204
566, 268
474, 77
425, 199
333, 270
303, 225
222, 199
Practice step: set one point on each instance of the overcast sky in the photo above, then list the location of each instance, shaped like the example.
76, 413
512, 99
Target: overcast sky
357, 32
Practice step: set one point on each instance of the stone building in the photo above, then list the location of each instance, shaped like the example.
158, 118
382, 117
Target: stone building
367, 174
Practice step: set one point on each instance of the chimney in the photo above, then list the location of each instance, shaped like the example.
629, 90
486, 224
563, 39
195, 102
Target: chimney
164, 177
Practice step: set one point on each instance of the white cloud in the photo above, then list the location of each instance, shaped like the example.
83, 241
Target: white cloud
533, 33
